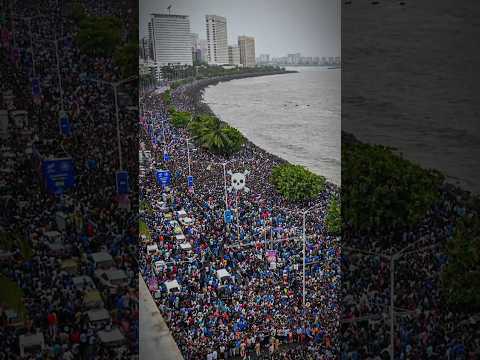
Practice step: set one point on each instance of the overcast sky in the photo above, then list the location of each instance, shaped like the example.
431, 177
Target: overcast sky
311, 27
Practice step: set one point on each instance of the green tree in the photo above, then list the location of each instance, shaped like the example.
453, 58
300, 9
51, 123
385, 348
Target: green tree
461, 275
296, 183
180, 119
77, 11
215, 135
381, 190
334, 218
167, 97
126, 57
99, 35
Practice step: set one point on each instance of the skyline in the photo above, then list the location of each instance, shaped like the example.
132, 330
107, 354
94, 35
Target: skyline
314, 27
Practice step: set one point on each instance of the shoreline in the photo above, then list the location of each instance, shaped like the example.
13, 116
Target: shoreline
195, 92
350, 138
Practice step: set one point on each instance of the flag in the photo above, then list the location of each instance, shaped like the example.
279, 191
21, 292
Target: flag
122, 182
65, 128
36, 90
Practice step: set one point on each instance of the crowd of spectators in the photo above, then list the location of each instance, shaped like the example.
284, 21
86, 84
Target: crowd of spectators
256, 310
70, 258
425, 326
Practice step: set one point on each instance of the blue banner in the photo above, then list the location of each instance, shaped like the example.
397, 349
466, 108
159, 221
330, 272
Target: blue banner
36, 91
163, 177
65, 127
92, 164
58, 175
228, 216
190, 181
122, 182
166, 157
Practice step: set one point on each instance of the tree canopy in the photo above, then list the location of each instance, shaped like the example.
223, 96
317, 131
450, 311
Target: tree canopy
215, 135
167, 97
99, 35
179, 119
296, 183
383, 190
126, 57
334, 218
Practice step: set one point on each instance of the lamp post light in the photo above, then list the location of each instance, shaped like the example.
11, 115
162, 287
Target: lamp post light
59, 76
29, 19
115, 85
392, 258
188, 158
304, 237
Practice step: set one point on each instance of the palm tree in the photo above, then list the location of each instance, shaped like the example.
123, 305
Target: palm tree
215, 136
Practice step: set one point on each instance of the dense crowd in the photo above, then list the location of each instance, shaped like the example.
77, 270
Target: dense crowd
425, 327
72, 304
256, 310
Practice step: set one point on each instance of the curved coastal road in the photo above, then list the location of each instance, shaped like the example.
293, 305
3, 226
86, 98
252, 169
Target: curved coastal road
156, 342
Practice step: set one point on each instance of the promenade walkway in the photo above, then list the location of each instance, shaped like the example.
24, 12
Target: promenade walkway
156, 342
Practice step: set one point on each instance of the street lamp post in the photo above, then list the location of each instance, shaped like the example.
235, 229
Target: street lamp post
305, 246
238, 216
59, 76
115, 85
12, 20
392, 258
225, 184
304, 254
188, 158
29, 19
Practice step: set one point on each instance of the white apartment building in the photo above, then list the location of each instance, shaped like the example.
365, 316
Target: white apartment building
264, 58
203, 50
150, 67
233, 55
217, 48
171, 39
247, 51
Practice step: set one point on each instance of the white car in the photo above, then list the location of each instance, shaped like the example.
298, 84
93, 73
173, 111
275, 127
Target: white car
112, 278
187, 221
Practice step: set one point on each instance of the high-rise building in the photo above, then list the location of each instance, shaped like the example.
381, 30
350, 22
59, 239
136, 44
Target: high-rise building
264, 58
294, 59
142, 49
170, 38
234, 55
194, 38
247, 50
202, 51
217, 49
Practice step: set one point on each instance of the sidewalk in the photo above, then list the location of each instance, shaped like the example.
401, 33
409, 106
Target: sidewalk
156, 342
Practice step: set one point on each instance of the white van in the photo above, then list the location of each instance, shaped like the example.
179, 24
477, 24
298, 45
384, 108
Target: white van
172, 286
223, 276
111, 338
186, 246
98, 316
112, 278
102, 260
151, 249
159, 266
83, 282
31, 344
